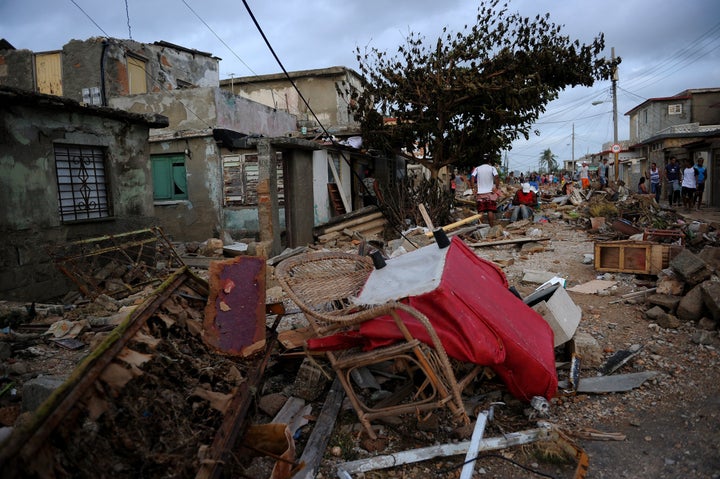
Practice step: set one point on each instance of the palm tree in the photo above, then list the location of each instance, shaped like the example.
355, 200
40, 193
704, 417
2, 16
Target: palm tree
548, 161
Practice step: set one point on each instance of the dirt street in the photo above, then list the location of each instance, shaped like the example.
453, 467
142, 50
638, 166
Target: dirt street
671, 423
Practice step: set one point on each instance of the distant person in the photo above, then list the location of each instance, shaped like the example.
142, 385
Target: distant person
642, 187
689, 184
371, 193
672, 179
524, 201
585, 176
603, 173
701, 178
486, 182
653, 175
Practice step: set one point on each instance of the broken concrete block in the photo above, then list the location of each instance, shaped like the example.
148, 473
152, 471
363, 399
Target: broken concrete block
37, 390
670, 285
707, 324
588, 349
711, 298
665, 301
654, 313
690, 268
270, 404
310, 381
668, 321
691, 307
711, 256
562, 314
537, 277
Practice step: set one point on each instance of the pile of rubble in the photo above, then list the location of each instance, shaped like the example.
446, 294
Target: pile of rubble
130, 383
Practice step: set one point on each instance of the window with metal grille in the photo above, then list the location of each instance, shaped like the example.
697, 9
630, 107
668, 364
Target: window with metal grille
82, 184
240, 175
169, 177
675, 109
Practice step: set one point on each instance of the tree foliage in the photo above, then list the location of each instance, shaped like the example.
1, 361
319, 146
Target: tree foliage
473, 92
548, 161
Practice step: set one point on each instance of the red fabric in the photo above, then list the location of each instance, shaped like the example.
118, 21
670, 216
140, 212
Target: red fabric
339, 342
479, 320
528, 198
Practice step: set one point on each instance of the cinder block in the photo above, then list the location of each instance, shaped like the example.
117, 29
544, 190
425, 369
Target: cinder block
562, 314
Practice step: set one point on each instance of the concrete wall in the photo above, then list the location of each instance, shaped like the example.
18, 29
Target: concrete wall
29, 219
202, 109
192, 114
200, 216
17, 69
85, 63
319, 87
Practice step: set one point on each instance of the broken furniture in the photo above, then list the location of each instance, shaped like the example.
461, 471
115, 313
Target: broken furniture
637, 257
479, 320
323, 284
118, 265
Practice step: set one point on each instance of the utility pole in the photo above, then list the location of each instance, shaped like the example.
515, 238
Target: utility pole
615, 114
573, 149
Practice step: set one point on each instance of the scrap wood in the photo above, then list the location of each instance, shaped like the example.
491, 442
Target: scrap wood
595, 435
452, 226
318, 440
543, 432
592, 287
233, 423
22, 446
633, 295
509, 241
426, 216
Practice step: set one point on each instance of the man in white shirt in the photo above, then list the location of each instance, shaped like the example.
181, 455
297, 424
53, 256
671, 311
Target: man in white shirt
487, 180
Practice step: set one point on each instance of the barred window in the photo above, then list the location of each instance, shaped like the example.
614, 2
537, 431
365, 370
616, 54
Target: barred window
82, 184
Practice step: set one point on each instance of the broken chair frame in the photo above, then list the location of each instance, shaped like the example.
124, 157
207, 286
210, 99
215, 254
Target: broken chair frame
323, 284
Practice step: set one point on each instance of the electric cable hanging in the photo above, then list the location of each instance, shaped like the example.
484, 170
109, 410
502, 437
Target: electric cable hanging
307, 105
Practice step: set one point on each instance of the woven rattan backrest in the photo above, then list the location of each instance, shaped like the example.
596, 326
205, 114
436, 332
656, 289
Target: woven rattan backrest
324, 281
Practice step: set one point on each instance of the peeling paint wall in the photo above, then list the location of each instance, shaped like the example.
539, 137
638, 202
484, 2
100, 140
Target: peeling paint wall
192, 115
17, 69
319, 87
200, 216
29, 218
86, 63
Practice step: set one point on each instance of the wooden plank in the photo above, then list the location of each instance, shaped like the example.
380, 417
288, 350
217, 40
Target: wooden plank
352, 222
426, 216
443, 450
509, 241
338, 182
318, 440
452, 226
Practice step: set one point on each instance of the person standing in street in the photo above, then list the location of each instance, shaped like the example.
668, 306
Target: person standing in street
689, 184
486, 181
585, 176
603, 173
672, 178
654, 176
701, 178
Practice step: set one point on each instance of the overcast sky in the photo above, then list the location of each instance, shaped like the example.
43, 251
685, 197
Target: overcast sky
666, 46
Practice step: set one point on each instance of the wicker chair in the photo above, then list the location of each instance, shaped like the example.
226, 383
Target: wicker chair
323, 284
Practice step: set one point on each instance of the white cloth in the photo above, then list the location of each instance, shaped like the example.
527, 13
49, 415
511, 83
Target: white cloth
485, 178
689, 180
585, 172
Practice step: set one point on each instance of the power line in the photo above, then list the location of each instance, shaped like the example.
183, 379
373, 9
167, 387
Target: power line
89, 17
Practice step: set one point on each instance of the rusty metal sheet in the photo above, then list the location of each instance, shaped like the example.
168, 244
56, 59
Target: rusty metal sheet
235, 312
